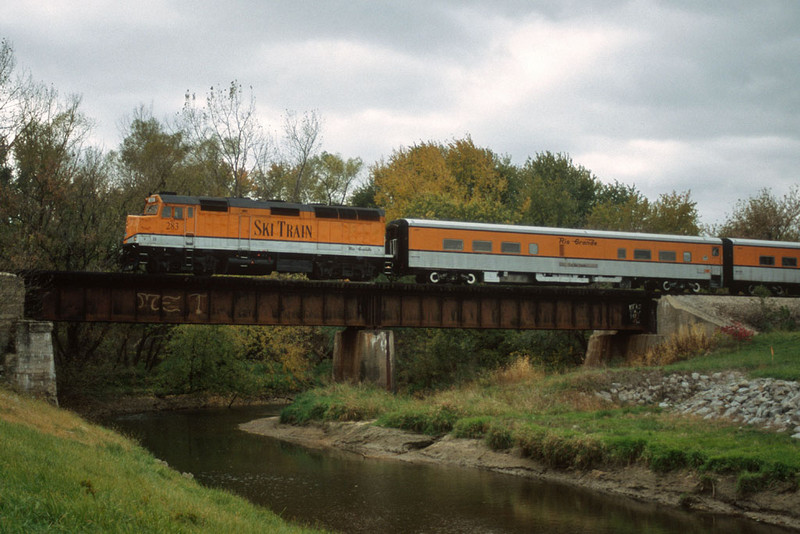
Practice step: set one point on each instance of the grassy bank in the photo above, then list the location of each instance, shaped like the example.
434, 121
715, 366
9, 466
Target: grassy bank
59, 473
559, 421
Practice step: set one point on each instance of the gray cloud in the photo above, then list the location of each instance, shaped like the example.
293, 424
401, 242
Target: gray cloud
664, 94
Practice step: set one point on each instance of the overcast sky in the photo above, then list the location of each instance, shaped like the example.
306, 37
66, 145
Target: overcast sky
664, 95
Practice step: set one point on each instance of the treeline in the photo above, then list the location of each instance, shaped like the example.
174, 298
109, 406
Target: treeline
63, 204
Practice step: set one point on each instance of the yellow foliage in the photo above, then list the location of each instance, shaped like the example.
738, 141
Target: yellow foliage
455, 181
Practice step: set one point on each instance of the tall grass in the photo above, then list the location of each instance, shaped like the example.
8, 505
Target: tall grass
59, 473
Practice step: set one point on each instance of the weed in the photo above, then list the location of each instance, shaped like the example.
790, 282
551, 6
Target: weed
683, 345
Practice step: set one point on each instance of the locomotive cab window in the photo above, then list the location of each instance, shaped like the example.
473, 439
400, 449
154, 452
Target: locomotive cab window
533, 249
481, 246
166, 213
622, 253
507, 247
453, 244
766, 260
151, 209
667, 255
789, 262
189, 213
178, 212
641, 254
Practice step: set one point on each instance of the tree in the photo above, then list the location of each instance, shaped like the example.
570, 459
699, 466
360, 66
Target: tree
457, 181
550, 190
332, 178
226, 135
764, 216
623, 208
674, 213
206, 359
302, 137
150, 160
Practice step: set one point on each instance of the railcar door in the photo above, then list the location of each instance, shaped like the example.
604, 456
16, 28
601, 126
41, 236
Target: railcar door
244, 235
189, 228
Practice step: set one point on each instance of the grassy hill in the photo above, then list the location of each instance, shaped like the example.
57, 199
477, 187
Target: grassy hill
59, 473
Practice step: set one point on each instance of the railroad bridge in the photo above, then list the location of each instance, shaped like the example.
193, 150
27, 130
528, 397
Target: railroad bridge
364, 349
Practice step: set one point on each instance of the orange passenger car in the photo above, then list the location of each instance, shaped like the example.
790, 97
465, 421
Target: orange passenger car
239, 235
444, 251
750, 263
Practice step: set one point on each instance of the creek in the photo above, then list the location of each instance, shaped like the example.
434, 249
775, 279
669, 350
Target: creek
347, 493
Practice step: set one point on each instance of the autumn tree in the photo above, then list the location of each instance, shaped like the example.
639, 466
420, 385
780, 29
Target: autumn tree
765, 216
623, 208
457, 181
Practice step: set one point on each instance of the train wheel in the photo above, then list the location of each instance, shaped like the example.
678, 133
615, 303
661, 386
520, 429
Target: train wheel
695, 287
667, 286
778, 291
471, 279
434, 277
751, 289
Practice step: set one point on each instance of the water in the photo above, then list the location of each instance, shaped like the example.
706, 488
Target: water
348, 493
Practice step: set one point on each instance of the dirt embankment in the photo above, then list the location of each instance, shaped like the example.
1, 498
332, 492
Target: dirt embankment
679, 489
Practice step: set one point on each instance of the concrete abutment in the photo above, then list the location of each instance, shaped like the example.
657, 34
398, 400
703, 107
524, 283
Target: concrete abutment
28, 365
676, 316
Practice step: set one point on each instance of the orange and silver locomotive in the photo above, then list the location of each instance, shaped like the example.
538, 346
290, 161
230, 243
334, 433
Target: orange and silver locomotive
205, 235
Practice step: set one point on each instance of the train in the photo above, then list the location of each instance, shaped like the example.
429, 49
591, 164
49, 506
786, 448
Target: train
215, 235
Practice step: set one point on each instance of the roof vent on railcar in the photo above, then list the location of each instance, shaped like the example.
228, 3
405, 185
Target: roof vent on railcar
213, 204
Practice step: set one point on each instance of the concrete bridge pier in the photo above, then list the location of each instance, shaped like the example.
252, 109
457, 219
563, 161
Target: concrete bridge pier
361, 355
26, 346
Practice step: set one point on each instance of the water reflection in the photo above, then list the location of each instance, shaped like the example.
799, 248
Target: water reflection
348, 493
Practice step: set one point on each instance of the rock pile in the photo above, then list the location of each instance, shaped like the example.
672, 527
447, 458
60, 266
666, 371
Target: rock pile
765, 402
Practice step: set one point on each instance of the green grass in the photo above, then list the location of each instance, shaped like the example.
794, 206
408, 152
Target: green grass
59, 473
559, 421
775, 355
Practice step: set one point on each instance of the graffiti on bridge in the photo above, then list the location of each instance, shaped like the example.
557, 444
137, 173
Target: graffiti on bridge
155, 303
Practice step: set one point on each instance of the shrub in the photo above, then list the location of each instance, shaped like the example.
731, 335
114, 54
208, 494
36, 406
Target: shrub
499, 437
433, 421
471, 427
737, 332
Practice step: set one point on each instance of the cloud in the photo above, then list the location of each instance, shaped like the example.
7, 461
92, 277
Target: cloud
666, 94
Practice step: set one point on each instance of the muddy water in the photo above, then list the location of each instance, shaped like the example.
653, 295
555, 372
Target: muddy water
346, 493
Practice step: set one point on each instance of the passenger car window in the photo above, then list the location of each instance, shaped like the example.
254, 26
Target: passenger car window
766, 260
715, 251
687, 257
667, 255
533, 248
622, 253
641, 254
481, 246
453, 244
789, 262
510, 248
